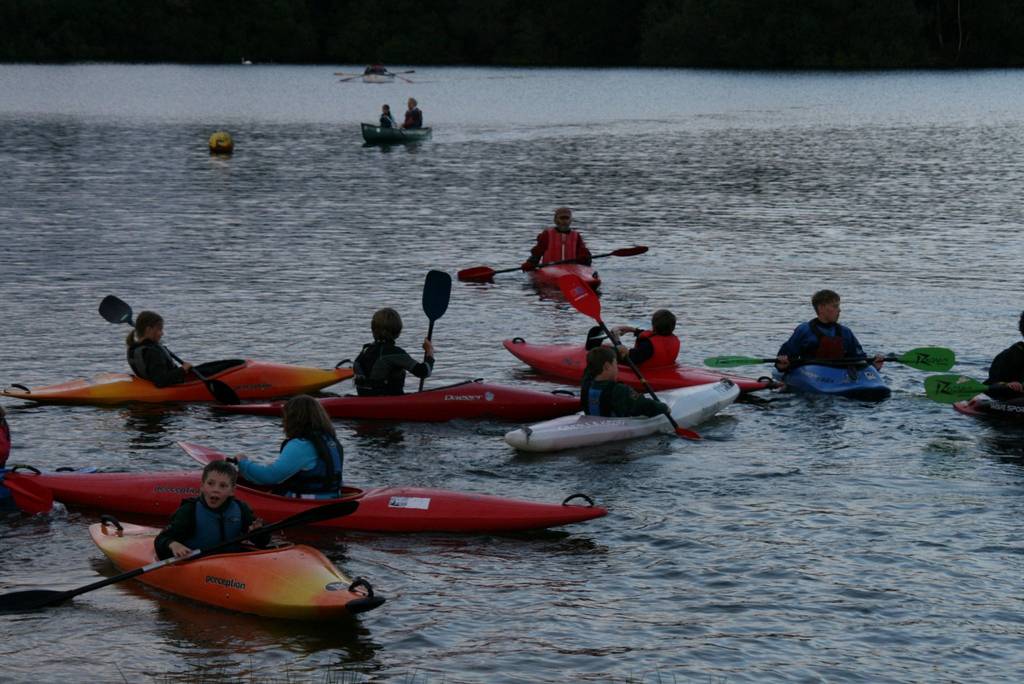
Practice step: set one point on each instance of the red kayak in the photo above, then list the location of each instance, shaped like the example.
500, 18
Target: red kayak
547, 276
381, 509
472, 399
567, 361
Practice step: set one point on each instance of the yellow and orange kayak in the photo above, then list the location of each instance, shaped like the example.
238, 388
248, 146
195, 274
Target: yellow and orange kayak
293, 581
249, 379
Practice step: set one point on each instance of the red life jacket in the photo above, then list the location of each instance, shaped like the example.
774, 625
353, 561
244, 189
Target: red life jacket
828, 347
559, 249
666, 349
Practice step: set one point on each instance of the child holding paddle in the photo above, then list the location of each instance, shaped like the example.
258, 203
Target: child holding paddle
381, 366
213, 517
653, 348
822, 338
558, 243
311, 458
148, 358
602, 395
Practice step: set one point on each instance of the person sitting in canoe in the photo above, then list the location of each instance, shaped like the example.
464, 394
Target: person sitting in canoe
654, 348
413, 115
213, 517
1007, 369
386, 120
148, 358
822, 338
375, 69
558, 243
381, 365
311, 459
602, 395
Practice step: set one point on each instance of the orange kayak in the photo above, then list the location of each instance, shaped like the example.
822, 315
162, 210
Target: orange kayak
293, 581
249, 379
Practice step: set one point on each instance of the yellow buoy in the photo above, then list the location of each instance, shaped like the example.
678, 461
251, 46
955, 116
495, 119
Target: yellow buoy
221, 143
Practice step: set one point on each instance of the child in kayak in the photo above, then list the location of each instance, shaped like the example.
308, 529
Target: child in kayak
558, 243
148, 358
311, 458
213, 517
381, 366
653, 348
822, 338
602, 395
1007, 369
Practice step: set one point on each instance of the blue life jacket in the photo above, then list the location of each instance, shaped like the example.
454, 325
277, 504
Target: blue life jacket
325, 477
214, 527
595, 401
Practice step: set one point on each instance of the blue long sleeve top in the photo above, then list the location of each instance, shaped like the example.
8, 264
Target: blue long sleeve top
803, 343
298, 454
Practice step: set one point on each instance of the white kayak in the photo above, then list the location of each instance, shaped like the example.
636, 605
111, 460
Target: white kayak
689, 405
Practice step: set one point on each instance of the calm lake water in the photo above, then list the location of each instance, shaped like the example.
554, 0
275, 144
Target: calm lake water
803, 540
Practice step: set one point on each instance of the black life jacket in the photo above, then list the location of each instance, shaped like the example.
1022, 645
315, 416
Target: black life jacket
829, 347
325, 478
393, 384
138, 363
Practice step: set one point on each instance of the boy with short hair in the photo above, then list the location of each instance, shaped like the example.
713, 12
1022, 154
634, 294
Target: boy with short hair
213, 517
602, 395
822, 338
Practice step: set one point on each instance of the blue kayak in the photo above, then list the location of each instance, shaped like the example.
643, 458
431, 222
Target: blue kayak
844, 381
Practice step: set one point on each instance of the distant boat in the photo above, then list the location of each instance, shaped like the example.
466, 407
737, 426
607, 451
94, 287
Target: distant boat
245, 61
386, 77
375, 135
375, 73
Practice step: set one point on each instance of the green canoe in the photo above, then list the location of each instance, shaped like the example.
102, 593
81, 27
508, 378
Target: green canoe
375, 135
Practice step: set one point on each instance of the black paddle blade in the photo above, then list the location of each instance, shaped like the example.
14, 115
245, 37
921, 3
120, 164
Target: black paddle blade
437, 290
115, 310
31, 599
222, 392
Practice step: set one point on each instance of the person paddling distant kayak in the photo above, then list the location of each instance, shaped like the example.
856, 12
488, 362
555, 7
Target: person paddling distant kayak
654, 348
213, 517
602, 395
413, 115
148, 358
387, 121
1007, 370
381, 366
558, 243
311, 458
822, 338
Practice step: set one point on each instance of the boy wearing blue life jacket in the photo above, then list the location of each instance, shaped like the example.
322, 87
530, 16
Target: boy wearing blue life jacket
213, 517
822, 338
602, 395
311, 459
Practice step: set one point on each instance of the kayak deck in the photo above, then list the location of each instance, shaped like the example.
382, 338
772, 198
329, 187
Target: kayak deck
567, 362
472, 400
864, 384
249, 379
292, 581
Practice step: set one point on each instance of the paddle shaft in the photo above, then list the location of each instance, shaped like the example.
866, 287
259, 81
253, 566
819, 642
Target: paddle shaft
430, 336
557, 263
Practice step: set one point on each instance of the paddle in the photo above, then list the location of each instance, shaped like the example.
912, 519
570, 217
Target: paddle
949, 389
437, 290
350, 78
922, 358
483, 274
115, 310
586, 302
30, 497
32, 599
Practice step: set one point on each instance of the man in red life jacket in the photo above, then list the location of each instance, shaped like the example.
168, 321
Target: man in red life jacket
654, 348
822, 338
558, 243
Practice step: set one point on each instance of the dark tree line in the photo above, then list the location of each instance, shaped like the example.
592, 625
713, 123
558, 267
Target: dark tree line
774, 34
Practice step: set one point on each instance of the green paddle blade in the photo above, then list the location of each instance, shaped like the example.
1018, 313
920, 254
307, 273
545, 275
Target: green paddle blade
927, 358
949, 389
733, 361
